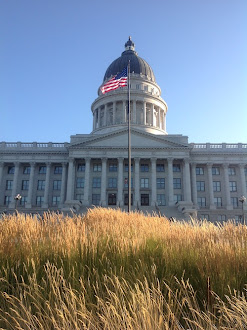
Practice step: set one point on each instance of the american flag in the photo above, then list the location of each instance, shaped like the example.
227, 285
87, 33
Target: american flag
120, 80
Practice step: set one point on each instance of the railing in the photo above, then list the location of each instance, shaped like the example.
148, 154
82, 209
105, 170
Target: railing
9, 145
218, 146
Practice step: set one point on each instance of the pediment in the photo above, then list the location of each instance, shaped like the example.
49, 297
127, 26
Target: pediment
119, 139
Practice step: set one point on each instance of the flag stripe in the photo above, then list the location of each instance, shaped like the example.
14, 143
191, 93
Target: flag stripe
120, 80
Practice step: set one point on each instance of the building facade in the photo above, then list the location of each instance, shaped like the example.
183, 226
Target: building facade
168, 174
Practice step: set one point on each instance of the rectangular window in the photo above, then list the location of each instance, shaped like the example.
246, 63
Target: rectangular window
160, 168
112, 182
221, 217
160, 183
80, 182
26, 170
23, 200
176, 168
7, 200
42, 170
57, 184
177, 198
41, 185
145, 199
233, 185
39, 200
201, 201
25, 185
204, 216
126, 184
97, 167
126, 199
218, 201
55, 200
96, 199
11, 169
144, 182
79, 197
215, 170
176, 183
161, 200
58, 170
96, 183
234, 202
9, 184
112, 199
216, 186
231, 171
112, 167
199, 170
126, 167
144, 168
81, 168
200, 185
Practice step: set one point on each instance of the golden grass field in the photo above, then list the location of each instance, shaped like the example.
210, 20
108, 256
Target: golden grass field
113, 270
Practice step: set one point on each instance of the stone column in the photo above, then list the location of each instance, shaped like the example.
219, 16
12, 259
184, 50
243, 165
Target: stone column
47, 181
1, 174
87, 181
63, 184
30, 187
137, 182
243, 180
193, 181
120, 181
14, 189
105, 115
186, 181
164, 121
210, 187
152, 115
103, 182
170, 182
134, 112
114, 113
227, 189
124, 112
153, 175
158, 118
94, 116
71, 180
99, 118
144, 113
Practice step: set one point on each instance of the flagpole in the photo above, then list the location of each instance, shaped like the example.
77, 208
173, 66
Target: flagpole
129, 144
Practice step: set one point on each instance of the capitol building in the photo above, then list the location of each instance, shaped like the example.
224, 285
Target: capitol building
169, 176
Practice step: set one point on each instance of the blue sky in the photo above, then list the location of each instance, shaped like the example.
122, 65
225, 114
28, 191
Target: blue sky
54, 54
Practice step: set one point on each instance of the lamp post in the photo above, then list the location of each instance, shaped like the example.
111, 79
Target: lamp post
242, 199
17, 198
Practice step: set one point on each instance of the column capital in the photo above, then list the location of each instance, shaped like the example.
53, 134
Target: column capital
104, 159
225, 165
241, 165
153, 159
32, 164
71, 159
193, 164
87, 159
1, 164
48, 164
64, 164
120, 159
209, 164
186, 160
17, 164
137, 159
170, 160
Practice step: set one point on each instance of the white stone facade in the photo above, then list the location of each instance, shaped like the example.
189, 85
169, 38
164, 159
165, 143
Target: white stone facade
169, 175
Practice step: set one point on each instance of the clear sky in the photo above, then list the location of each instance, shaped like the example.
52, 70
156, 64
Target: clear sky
54, 54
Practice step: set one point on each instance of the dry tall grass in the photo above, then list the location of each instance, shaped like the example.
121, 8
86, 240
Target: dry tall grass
111, 270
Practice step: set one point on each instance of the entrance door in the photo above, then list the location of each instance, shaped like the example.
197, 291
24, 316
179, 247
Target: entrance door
145, 199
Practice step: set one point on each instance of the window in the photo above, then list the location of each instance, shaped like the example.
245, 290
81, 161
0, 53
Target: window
7, 200
126, 199
26, 170
57, 184
218, 201
25, 184
221, 217
199, 170
176, 168
97, 167
9, 184
177, 198
204, 217
112, 167
81, 168
126, 167
96, 183
144, 168
234, 202
112, 182
126, 184
42, 170
11, 170
233, 185
215, 170
144, 182
58, 170
145, 199
80, 182
176, 183
79, 197
55, 200
39, 200
160, 168
95, 199
216, 186
161, 200
201, 201
41, 185
200, 185
231, 171
23, 200
160, 182
238, 218
112, 199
